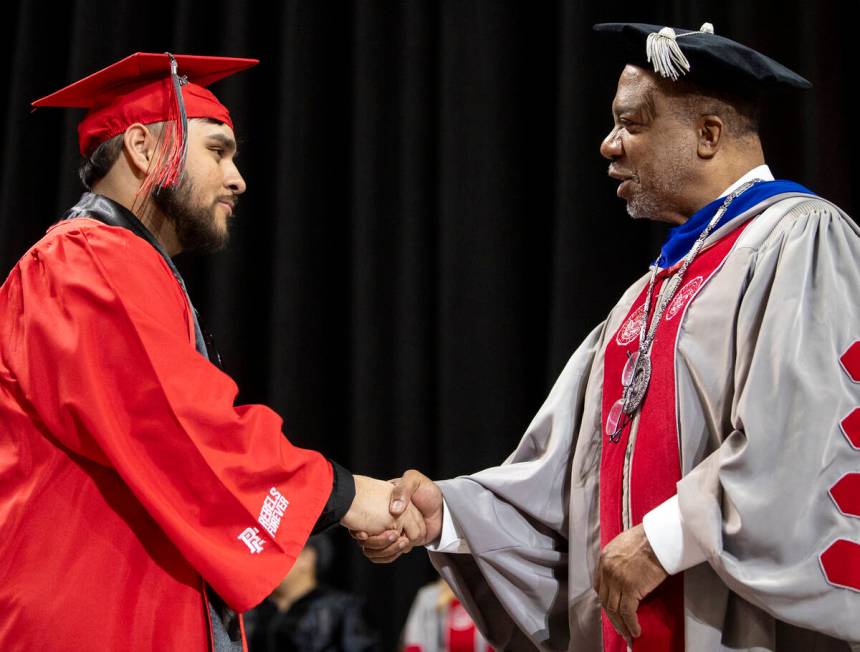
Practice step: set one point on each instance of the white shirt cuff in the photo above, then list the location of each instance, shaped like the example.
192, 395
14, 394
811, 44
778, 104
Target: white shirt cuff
449, 540
675, 550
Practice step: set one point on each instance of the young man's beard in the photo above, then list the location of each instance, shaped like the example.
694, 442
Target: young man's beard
195, 225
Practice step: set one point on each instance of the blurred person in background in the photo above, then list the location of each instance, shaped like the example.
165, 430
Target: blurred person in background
303, 615
438, 622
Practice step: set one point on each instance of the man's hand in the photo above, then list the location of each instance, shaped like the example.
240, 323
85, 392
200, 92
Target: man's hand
627, 571
369, 511
422, 492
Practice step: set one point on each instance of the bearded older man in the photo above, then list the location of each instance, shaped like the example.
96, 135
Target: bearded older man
691, 480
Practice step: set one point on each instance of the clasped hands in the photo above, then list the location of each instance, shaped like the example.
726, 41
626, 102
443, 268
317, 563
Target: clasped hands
388, 519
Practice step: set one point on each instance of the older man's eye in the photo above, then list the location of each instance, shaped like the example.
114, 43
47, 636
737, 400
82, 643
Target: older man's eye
629, 125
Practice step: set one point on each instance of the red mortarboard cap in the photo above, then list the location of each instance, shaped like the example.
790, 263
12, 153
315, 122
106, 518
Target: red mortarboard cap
139, 88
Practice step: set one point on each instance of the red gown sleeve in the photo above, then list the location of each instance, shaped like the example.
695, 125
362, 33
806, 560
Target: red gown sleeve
108, 364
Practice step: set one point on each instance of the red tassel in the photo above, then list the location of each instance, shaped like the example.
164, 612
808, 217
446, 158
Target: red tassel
167, 165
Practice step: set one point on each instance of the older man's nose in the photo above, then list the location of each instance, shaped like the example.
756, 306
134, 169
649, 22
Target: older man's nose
611, 146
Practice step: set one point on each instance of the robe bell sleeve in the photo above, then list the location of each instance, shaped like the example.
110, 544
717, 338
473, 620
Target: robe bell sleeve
109, 369
514, 518
775, 507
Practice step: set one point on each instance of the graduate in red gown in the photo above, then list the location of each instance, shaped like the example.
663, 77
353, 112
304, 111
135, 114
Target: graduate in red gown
141, 509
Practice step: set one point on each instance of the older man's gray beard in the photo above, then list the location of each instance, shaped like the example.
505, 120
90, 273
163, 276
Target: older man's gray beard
646, 203
659, 198
194, 225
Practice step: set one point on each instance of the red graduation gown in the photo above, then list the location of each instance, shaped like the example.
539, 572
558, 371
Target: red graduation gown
128, 478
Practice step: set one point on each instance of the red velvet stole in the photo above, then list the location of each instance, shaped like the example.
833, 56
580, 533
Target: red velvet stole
655, 466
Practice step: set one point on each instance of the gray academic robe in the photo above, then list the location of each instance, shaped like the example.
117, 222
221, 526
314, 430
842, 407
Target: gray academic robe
760, 394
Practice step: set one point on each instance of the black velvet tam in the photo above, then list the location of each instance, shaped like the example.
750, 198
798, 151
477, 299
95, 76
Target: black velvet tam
714, 61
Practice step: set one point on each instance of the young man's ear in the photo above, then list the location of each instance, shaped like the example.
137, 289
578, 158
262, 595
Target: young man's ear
139, 144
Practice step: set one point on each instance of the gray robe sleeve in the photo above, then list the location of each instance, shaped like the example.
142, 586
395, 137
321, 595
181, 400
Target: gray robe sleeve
515, 520
759, 505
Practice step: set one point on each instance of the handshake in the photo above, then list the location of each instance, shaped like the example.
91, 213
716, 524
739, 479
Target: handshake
388, 519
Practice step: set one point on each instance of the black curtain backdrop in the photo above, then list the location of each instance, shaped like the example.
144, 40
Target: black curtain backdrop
429, 230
